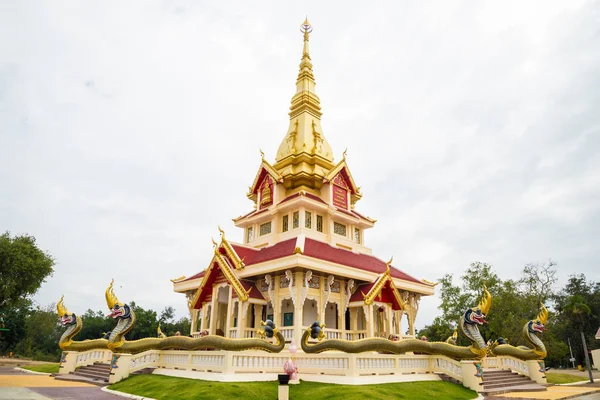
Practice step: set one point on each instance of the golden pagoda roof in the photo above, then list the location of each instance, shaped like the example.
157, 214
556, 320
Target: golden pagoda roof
304, 153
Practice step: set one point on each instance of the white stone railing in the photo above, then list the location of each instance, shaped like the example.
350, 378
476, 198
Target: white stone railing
288, 333
147, 359
233, 333
91, 356
356, 335
196, 335
250, 332
332, 333
448, 366
514, 364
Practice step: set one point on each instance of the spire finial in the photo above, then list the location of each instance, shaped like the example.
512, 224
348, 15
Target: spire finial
306, 28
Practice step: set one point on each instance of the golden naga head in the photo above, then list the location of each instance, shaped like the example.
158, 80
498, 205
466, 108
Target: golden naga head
61, 308
111, 299
486, 301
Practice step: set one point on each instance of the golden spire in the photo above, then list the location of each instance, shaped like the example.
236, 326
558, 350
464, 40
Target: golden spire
304, 133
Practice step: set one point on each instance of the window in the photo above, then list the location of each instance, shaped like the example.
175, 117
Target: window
339, 229
307, 219
265, 228
357, 235
296, 219
249, 234
319, 223
284, 224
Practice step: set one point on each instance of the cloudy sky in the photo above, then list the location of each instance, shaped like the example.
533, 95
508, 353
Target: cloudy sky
129, 131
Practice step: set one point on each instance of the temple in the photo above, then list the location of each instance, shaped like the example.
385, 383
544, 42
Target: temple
304, 256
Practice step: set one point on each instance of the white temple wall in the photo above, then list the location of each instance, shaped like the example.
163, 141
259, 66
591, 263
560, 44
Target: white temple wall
331, 317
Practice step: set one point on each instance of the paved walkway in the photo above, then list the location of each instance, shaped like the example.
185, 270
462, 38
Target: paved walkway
16, 385
555, 393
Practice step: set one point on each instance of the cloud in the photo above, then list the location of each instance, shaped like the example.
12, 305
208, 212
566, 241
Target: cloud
128, 135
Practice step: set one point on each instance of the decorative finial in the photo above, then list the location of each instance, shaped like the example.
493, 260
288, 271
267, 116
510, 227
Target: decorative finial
387, 264
344, 153
262, 154
215, 244
222, 232
306, 28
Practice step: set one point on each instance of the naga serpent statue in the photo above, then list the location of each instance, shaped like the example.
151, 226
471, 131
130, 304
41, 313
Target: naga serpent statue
74, 325
125, 317
468, 326
531, 330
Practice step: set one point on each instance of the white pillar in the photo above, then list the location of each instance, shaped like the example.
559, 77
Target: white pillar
229, 318
213, 311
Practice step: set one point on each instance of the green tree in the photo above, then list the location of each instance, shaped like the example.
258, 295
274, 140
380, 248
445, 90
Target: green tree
95, 325
42, 333
571, 304
23, 268
146, 323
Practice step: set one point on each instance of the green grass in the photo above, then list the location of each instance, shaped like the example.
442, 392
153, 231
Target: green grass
48, 368
167, 387
558, 378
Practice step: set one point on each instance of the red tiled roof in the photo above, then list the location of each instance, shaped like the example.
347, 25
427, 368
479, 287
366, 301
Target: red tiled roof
317, 198
358, 296
290, 198
198, 275
308, 195
254, 292
324, 251
361, 216
255, 256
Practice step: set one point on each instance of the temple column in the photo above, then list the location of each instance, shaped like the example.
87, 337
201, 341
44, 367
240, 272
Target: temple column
203, 320
390, 320
298, 307
257, 315
354, 321
341, 310
228, 320
370, 317
213, 310
322, 305
241, 320
276, 303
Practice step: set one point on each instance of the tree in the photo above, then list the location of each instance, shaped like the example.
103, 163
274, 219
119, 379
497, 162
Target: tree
578, 311
146, 323
578, 290
23, 268
95, 325
42, 333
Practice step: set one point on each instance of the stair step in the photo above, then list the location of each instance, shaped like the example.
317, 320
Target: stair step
532, 387
507, 384
505, 379
91, 375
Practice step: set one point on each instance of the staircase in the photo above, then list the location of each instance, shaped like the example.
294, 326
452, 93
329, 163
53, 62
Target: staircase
496, 381
96, 374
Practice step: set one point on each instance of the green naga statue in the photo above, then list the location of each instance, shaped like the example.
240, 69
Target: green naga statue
468, 325
125, 317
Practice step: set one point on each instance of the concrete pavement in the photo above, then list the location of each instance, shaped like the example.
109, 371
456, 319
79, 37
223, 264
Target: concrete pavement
15, 385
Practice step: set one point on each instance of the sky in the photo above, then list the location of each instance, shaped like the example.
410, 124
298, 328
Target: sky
130, 131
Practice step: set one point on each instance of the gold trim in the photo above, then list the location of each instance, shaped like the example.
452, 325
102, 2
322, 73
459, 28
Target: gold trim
174, 280
235, 283
298, 250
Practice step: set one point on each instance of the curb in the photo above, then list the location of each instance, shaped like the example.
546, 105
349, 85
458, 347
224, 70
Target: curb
31, 372
573, 383
126, 395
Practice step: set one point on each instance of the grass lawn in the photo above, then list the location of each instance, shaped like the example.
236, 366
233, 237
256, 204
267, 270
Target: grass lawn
48, 368
555, 377
167, 387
